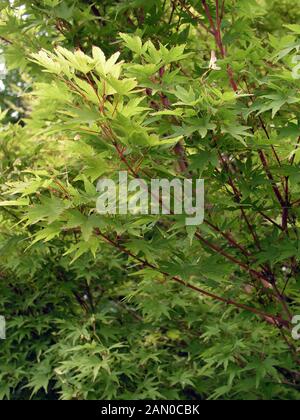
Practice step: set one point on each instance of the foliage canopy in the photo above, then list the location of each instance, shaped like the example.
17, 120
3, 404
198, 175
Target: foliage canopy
143, 307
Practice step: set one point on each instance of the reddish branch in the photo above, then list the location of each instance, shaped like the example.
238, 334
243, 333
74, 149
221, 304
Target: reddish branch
265, 216
172, 11
193, 16
270, 176
145, 263
263, 126
292, 160
268, 271
229, 238
223, 9
238, 197
216, 30
231, 258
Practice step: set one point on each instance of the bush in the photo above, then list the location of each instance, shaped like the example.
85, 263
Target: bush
143, 306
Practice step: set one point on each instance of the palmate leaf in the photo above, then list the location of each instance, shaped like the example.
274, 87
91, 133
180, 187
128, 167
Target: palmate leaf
50, 209
202, 126
238, 132
40, 377
48, 233
133, 43
87, 224
175, 54
90, 244
122, 87
277, 101
186, 97
47, 60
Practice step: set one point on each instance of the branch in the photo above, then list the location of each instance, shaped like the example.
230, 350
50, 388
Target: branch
218, 14
229, 238
231, 258
270, 176
216, 31
193, 16
255, 311
223, 10
265, 216
292, 160
93, 8
172, 12
238, 196
209, 17
7, 41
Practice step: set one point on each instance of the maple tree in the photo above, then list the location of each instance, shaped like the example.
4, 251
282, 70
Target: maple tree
143, 306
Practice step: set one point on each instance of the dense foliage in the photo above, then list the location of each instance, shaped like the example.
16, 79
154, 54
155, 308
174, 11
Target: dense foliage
142, 306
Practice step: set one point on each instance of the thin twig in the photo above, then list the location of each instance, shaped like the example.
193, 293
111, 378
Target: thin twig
145, 263
7, 41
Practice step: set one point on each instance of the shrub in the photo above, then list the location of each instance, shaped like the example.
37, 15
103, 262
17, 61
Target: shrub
143, 306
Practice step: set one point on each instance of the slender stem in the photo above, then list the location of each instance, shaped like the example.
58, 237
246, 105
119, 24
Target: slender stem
270, 176
7, 41
282, 301
265, 216
173, 11
94, 8
231, 258
238, 196
292, 160
223, 10
229, 239
145, 263
218, 14
263, 125
208, 15
193, 16
216, 31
